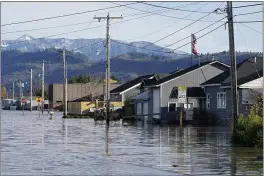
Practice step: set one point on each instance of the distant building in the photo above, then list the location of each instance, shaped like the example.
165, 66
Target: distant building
74, 91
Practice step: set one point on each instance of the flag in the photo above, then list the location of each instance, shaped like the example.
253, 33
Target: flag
194, 41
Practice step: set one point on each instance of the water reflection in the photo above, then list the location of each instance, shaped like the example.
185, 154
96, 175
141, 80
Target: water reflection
32, 146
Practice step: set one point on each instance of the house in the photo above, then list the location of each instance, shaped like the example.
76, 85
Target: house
249, 84
159, 97
128, 90
84, 105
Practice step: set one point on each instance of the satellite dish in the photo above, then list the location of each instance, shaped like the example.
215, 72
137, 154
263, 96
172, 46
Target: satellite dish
97, 52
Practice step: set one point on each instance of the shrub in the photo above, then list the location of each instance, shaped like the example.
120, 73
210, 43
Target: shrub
203, 118
248, 131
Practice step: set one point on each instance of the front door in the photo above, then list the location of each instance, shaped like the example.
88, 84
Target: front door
188, 108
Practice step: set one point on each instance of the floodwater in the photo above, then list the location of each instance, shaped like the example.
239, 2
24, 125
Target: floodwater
38, 146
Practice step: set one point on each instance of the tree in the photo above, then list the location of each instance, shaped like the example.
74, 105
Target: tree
39, 93
3, 92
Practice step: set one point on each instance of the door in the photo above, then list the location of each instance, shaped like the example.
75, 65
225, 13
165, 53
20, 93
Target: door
156, 103
188, 108
145, 111
139, 109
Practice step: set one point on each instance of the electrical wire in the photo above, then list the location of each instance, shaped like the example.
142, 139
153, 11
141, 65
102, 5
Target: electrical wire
248, 5
200, 37
195, 11
182, 28
250, 28
194, 33
245, 43
66, 15
121, 21
174, 17
162, 28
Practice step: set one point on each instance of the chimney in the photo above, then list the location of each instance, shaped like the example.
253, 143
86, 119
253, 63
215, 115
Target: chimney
255, 59
213, 58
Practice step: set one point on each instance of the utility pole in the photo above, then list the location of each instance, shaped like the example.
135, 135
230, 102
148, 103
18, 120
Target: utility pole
30, 90
13, 90
20, 89
64, 85
233, 65
43, 100
108, 61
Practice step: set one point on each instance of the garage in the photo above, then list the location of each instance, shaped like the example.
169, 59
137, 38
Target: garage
145, 110
156, 103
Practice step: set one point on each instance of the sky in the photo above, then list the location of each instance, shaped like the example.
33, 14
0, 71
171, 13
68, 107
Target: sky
138, 29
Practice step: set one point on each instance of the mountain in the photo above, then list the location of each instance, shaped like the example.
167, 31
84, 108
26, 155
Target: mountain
93, 48
16, 65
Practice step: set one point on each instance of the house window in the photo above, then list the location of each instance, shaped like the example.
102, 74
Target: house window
172, 107
208, 101
221, 100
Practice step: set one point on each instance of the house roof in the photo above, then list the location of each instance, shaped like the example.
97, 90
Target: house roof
130, 84
88, 98
214, 63
191, 92
247, 71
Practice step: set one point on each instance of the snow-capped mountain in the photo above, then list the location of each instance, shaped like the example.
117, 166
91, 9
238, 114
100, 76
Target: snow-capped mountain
93, 48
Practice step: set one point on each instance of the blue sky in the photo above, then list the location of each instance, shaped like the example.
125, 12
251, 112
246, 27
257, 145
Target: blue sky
245, 39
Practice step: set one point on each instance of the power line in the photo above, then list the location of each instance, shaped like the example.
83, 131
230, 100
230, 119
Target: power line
82, 29
248, 22
200, 36
245, 43
248, 5
182, 28
250, 28
194, 33
73, 24
250, 13
162, 28
66, 15
175, 8
153, 13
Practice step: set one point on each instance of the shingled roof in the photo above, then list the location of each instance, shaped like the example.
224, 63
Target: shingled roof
130, 84
247, 71
215, 63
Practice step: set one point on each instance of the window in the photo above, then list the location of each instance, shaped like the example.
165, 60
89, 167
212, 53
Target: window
188, 106
208, 101
221, 100
172, 107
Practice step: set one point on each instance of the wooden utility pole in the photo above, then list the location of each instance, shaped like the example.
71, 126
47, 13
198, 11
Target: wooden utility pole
43, 96
13, 90
30, 90
65, 83
232, 54
108, 61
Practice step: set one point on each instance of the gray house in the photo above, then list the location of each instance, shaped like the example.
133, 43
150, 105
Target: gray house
218, 91
158, 97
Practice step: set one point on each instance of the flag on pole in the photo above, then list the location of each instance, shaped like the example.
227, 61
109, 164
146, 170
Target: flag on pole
194, 41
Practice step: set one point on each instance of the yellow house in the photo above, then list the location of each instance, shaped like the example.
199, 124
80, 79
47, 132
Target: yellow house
84, 107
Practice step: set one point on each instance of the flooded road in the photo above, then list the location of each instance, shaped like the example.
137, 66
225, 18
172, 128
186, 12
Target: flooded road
38, 146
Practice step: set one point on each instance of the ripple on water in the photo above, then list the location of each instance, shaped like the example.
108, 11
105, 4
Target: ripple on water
38, 146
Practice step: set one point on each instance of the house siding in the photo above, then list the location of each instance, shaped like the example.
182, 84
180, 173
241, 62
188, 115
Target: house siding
191, 79
130, 93
222, 115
